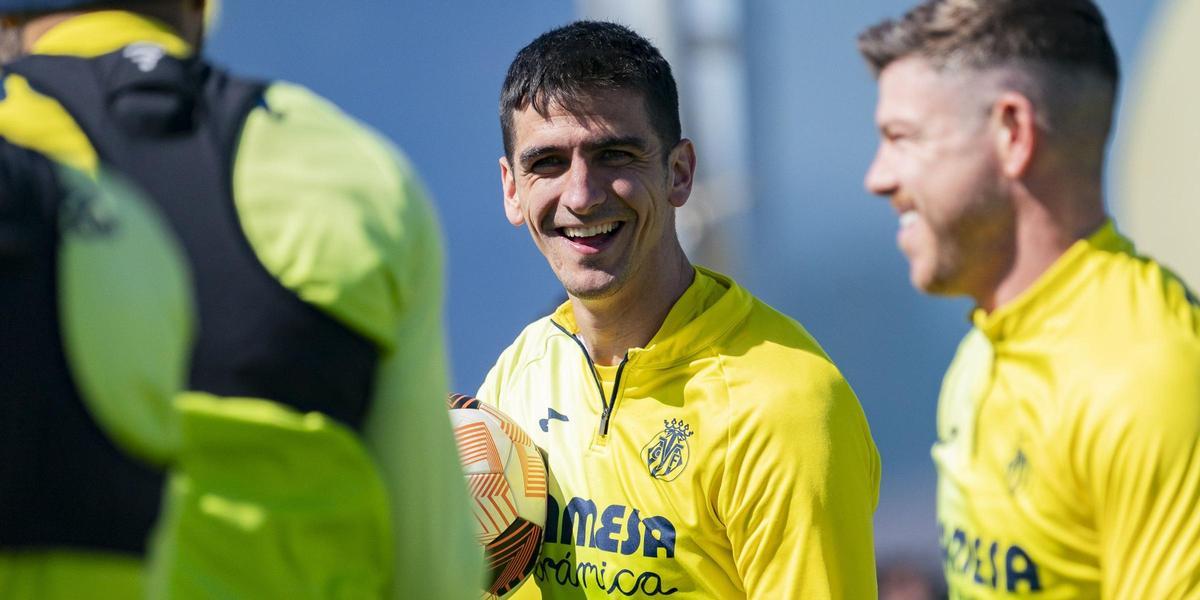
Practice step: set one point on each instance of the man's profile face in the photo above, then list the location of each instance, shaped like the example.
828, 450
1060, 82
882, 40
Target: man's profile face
937, 164
594, 191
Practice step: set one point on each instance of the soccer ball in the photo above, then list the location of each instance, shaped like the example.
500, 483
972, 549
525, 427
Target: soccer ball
507, 481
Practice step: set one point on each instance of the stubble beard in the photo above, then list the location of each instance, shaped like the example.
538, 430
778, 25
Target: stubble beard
972, 254
583, 291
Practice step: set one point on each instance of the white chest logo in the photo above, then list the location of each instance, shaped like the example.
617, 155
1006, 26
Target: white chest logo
144, 54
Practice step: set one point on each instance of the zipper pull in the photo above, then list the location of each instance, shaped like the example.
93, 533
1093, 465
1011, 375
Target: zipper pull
611, 403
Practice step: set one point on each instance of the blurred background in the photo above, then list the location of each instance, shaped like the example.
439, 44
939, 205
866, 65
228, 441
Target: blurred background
780, 106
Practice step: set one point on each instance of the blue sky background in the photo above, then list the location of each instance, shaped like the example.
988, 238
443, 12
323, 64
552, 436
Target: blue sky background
427, 75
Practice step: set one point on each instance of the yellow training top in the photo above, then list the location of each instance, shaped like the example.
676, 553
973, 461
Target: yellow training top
728, 458
1068, 445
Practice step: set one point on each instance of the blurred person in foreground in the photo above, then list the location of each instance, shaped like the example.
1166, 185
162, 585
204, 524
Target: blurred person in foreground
1068, 446
95, 324
699, 443
314, 456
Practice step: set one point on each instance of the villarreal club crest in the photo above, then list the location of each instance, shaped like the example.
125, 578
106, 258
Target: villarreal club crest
667, 454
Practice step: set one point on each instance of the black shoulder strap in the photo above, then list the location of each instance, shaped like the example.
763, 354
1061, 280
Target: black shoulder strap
173, 126
133, 98
62, 481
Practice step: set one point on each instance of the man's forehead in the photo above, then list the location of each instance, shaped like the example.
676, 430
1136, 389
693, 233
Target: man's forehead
912, 88
605, 113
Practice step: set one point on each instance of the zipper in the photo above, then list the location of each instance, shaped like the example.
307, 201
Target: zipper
607, 404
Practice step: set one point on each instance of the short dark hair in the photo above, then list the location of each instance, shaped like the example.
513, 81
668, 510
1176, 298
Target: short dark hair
980, 34
567, 64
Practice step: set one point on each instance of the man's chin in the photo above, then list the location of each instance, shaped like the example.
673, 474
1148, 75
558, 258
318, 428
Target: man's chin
593, 286
924, 282
936, 284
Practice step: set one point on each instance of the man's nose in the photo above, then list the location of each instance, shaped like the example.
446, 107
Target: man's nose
880, 178
582, 189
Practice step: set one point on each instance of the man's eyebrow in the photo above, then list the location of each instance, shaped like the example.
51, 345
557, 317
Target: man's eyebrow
532, 154
529, 155
893, 125
609, 142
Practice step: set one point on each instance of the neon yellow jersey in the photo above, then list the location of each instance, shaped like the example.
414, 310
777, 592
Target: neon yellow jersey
336, 215
734, 461
1068, 445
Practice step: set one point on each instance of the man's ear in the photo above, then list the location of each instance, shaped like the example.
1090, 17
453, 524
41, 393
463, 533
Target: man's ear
682, 163
512, 202
1016, 134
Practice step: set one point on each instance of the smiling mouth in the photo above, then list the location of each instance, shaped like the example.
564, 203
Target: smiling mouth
594, 236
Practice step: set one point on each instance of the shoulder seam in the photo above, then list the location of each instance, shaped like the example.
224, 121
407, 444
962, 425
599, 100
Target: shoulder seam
543, 351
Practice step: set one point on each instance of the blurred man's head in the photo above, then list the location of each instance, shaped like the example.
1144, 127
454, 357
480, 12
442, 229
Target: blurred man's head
981, 103
22, 22
594, 164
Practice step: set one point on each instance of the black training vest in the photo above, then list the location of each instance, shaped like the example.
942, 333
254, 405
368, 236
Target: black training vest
173, 126
62, 481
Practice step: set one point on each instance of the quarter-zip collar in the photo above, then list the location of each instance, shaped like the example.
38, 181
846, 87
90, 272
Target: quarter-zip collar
711, 306
608, 402
1052, 294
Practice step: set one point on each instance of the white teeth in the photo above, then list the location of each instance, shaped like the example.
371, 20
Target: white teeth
576, 232
907, 218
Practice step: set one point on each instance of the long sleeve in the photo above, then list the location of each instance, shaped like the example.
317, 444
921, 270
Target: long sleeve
1141, 457
408, 432
801, 487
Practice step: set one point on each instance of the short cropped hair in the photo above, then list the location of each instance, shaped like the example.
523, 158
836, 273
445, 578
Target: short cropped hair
566, 65
981, 34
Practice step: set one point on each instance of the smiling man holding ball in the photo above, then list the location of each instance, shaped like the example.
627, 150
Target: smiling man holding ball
699, 444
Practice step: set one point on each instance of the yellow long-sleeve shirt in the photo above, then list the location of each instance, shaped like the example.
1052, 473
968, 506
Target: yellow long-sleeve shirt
728, 458
1069, 436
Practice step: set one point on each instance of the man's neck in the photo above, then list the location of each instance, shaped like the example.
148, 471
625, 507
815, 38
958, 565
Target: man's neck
1042, 236
609, 327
